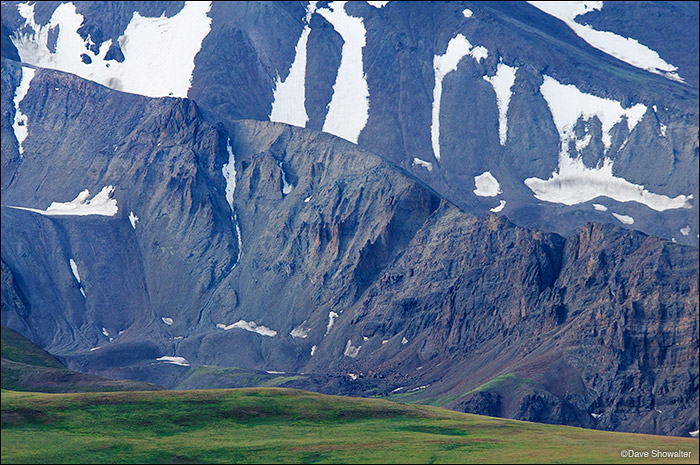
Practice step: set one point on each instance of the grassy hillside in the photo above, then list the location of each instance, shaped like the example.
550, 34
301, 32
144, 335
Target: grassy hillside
18, 348
27, 367
274, 425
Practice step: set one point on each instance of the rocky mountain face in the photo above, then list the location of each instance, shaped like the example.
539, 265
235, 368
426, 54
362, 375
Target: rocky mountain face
217, 248
447, 90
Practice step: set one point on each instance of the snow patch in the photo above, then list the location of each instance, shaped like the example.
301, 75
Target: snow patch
289, 97
378, 4
274, 372
596, 415
174, 360
101, 204
694, 434
353, 376
105, 332
425, 164
457, 48
313, 350
300, 331
249, 326
331, 319
623, 48
95, 348
486, 185
499, 207
21, 120
286, 187
82, 291
624, 218
419, 388
158, 52
568, 104
306, 200
133, 219
350, 350
404, 341
167, 321
685, 231
502, 82
467, 13
575, 183
74, 269
348, 110
599, 207
662, 129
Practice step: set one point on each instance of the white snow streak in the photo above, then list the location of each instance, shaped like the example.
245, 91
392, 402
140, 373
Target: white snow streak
249, 326
74, 269
457, 48
599, 207
229, 172
21, 120
348, 110
306, 200
313, 350
685, 231
289, 97
502, 82
105, 332
331, 319
623, 48
425, 164
350, 350
167, 321
486, 185
133, 219
575, 183
158, 52
174, 360
624, 218
378, 4
499, 207
286, 187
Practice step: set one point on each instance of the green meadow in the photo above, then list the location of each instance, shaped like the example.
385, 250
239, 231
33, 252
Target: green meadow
275, 425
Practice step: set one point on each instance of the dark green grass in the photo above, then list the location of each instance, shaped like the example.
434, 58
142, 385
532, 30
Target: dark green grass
274, 425
19, 349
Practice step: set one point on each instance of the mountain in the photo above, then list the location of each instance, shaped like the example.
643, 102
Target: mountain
459, 94
309, 211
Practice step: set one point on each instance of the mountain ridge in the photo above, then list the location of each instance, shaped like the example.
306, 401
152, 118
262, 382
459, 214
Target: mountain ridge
292, 252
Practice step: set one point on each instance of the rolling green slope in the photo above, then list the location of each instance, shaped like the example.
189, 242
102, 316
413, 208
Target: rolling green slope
27, 367
275, 425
